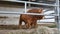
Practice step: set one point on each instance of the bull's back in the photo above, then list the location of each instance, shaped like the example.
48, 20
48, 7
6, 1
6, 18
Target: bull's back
25, 17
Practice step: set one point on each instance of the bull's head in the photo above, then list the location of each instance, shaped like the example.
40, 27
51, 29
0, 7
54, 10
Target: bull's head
35, 11
40, 11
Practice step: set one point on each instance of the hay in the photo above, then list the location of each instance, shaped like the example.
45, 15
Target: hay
39, 30
44, 30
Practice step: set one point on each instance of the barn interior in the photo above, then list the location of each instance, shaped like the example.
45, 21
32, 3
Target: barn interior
10, 11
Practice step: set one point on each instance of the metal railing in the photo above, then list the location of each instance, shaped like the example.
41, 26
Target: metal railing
56, 5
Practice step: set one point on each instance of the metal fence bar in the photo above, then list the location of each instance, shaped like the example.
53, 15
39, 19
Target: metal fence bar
45, 22
34, 3
49, 18
32, 14
42, 4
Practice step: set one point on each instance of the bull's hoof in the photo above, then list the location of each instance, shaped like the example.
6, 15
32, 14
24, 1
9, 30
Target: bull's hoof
20, 27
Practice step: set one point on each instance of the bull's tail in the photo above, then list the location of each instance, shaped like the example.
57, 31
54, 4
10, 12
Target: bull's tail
20, 20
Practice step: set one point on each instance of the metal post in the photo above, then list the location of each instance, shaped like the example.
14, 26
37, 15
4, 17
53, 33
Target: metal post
57, 2
57, 11
29, 4
25, 7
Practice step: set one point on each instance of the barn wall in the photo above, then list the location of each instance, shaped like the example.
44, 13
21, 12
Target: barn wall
10, 8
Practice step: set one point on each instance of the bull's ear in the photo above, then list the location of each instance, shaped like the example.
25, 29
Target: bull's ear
41, 10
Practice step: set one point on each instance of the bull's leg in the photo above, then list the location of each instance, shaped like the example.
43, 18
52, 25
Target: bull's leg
28, 24
34, 24
25, 26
